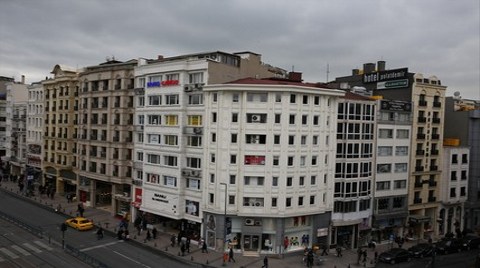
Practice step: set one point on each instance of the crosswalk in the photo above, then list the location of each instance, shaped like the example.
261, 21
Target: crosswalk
26, 249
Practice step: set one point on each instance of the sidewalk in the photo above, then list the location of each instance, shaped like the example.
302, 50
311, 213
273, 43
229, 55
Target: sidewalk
210, 259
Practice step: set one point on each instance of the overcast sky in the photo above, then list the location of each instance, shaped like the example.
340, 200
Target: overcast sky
433, 37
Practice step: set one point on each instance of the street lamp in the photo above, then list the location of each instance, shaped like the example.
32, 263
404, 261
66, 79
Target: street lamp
225, 222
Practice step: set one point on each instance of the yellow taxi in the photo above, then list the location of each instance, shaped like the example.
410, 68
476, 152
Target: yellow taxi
80, 223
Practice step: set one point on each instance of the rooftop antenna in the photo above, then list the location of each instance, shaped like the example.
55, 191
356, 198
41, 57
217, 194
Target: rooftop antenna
328, 71
293, 68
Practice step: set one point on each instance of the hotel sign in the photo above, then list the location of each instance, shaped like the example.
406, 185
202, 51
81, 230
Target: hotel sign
392, 105
388, 75
392, 84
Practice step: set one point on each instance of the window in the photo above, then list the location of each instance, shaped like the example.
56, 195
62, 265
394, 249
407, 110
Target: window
170, 160
289, 181
454, 159
214, 137
315, 120
193, 184
212, 178
194, 120
303, 140
382, 204
293, 98
195, 99
211, 198
274, 202
464, 158
398, 202
171, 99
301, 180
300, 201
312, 200
194, 141
385, 133
193, 162
171, 120
234, 117
383, 185
278, 118
304, 119
232, 179
171, 140
153, 159
214, 117
316, 100
402, 134
313, 180
169, 181
257, 97
154, 100
314, 140
154, 119
276, 160
194, 78
290, 161
231, 200
288, 202
314, 160
384, 150
274, 181
364, 204
153, 138
401, 150
235, 97
400, 167
400, 184
276, 139
291, 119
463, 191
278, 97
291, 139
453, 192
384, 168
153, 178
233, 138
233, 159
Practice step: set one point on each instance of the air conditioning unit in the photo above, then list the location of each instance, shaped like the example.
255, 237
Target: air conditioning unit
255, 140
256, 118
258, 223
199, 86
249, 222
257, 204
195, 173
187, 89
186, 172
197, 130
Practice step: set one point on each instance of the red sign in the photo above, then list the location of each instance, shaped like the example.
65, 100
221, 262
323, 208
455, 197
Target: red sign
254, 160
138, 197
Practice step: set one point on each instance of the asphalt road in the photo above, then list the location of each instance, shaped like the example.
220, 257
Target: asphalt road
19, 248
109, 250
464, 259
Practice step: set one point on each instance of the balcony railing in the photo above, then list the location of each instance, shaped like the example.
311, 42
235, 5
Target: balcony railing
432, 183
422, 103
432, 199
436, 120
433, 168
422, 119
419, 168
435, 136
417, 201
437, 104
434, 152
418, 184
420, 136
419, 152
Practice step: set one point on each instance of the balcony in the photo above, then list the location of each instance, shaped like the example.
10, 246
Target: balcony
420, 152
422, 119
437, 104
433, 168
417, 201
116, 139
432, 183
419, 168
420, 136
418, 184
432, 199
434, 152
435, 136
422, 103
436, 120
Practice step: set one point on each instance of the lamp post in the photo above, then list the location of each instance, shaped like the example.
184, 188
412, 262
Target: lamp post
224, 222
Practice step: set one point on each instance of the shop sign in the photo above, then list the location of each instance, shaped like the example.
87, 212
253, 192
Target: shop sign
392, 105
392, 84
385, 75
164, 83
322, 232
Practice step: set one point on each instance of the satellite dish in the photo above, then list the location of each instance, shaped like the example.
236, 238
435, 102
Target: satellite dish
456, 94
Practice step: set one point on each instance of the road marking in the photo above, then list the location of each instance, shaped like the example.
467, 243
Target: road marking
27, 245
21, 250
9, 253
101, 246
43, 245
130, 259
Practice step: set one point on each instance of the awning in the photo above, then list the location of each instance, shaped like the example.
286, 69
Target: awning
419, 218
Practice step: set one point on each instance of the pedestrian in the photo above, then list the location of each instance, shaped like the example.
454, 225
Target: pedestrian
225, 258
120, 234
359, 254
126, 235
376, 256
204, 247
324, 250
80, 209
364, 256
230, 255
265, 262
100, 233
149, 236
52, 194
187, 244
154, 233
172, 240
339, 251
183, 249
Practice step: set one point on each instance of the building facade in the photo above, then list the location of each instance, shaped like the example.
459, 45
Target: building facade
454, 189
169, 138
34, 134
3, 117
352, 207
104, 135
391, 173
268, 162
463, 124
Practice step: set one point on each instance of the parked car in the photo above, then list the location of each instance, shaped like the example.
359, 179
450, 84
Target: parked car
421, 250
395, 255
470, 241
449, 245
80, 223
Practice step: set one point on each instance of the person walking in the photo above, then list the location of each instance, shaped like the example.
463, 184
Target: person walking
324, 250
154, 233
172, 240
187, 244
204, 247
149, 236
230, 255
339, 251
265, 262
100, 233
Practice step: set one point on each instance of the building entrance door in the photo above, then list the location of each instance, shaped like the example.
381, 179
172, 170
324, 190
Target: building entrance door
251, 242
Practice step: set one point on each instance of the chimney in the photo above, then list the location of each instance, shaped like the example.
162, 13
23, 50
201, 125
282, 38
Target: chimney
381, 65
368, 68
23, 79
160, 57
295, 76
355, 71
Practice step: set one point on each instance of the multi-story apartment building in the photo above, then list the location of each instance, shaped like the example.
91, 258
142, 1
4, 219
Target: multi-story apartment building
16, 111
3, 117
59, 158
104, 135
169, 139
34, 137
462, 122
453, 191
427, 95
393, 130
352, 207
268, 162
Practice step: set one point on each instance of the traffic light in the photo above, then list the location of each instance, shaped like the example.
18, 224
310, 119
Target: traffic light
63, 227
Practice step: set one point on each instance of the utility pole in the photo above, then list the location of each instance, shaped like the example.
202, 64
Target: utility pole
63, 227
